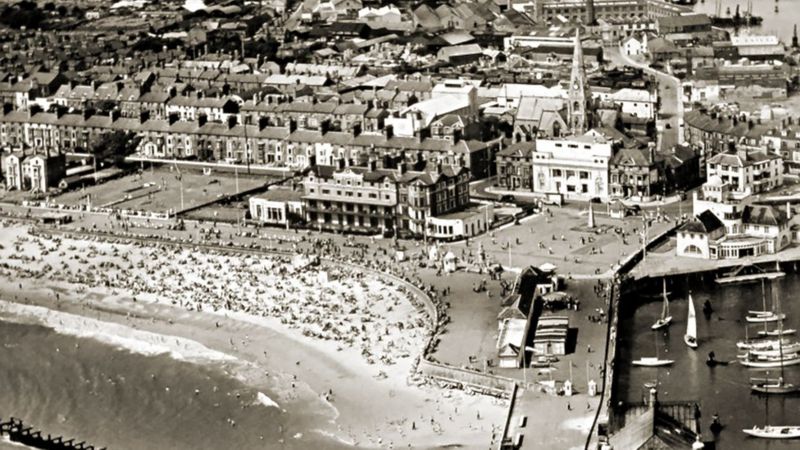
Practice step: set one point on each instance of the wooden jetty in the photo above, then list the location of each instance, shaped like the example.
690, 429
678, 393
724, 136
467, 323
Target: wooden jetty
16, 431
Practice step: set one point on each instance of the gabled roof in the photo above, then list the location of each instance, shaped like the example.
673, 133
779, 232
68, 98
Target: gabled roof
521, 149
427, 17
705, 223
631, 157
763, 215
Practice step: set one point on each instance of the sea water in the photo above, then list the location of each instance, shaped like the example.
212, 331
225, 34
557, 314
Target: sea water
723, 389
109, 397
779, 24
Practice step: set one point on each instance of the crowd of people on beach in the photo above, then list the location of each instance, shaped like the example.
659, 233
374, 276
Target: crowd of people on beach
332, 302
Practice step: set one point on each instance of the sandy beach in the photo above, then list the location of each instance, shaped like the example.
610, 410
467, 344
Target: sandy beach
331, 339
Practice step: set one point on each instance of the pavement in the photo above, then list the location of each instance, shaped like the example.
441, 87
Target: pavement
669, 93
560, 236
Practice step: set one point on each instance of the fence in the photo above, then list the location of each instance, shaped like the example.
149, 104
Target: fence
471, 381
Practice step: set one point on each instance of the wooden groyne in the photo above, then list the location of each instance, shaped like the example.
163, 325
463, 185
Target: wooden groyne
18, 432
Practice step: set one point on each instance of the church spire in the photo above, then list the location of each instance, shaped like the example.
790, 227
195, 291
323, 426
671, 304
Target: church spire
578, 90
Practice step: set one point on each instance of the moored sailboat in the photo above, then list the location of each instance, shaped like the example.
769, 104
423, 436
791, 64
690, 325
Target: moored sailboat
690, 338
771, 333
781, 386
772, 431
652, 361
768, 316
757, 361
665, 318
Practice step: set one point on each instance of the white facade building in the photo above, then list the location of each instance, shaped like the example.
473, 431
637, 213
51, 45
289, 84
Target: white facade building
746, 172
469, 222
576, 167
276, 206
636, 102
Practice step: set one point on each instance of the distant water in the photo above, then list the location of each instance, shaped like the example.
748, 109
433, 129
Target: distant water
780, 23
82, 389
724, 389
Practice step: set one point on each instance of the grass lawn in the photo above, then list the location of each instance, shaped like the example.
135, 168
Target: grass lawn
159, 190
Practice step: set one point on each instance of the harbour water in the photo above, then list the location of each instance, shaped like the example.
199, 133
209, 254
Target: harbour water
724, 389
779, 24
110, 397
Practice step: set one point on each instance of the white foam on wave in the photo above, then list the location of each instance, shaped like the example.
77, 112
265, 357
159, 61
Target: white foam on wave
121, 336
263, 399
6, 440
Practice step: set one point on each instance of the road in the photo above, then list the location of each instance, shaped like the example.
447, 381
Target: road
670, 117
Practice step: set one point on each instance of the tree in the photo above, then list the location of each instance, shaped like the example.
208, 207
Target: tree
112, 148
105, 106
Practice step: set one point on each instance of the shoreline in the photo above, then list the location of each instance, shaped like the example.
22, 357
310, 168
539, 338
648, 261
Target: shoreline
357, 413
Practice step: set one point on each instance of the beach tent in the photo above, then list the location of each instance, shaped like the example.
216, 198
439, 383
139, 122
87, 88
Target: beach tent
449, 262
433, 253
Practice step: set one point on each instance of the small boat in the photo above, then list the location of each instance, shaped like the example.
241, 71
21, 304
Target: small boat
665, 318
770, 317
690, 338
734, 276
716, 425
768, 362
773, 351
711, 360
770, 344
652, 361
767, 386
769, 333
774, 432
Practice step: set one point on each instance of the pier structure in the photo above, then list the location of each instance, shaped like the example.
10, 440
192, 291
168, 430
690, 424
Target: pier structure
18, 432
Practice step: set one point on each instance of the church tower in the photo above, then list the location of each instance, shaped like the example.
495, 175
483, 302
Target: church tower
578, 91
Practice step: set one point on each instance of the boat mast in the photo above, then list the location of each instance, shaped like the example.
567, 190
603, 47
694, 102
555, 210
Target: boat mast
764, 301
665, 305
780, 332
